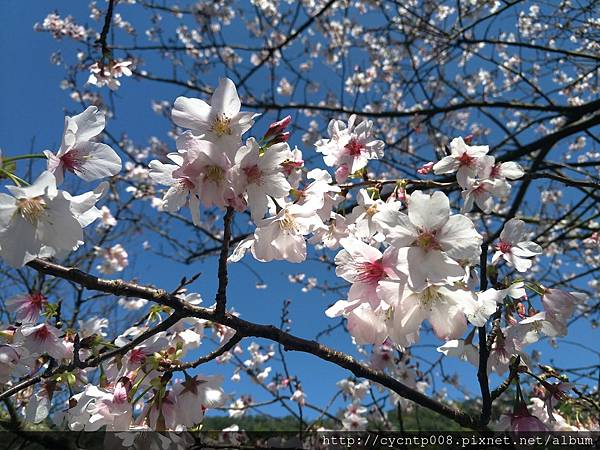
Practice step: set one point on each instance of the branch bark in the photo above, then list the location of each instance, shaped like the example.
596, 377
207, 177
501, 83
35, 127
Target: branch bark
289, 341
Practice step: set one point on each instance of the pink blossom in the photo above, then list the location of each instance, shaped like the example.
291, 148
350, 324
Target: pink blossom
463, 159
351, 144
425, 168
514, 248
79, 154
27, 307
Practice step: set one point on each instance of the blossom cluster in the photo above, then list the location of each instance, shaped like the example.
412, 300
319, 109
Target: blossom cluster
406, 255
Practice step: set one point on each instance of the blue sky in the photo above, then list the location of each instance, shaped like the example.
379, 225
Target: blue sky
31, 119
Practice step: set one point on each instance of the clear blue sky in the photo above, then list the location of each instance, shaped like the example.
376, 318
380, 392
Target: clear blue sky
31, 118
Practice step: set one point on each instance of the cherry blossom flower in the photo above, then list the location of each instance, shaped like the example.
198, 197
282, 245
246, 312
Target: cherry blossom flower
38, 407
357, 391
354, 419
369, 214
483, 307
520, 421
43, 339
115, 259
552, 419
460, 349
559, 306
27, 307
513, 248
366, 324
42, 220
221, 121
282, 236
12, 361
261, 175
292, 168
132, 303
433, 245
510, 342
207, 168
181, 188
365, 266
299, 397
160, 413
106, 219
337, 229
425, 168
444, 307
107, 74
320, 191
489, 169
93, 326
194, 396
382, 356
96, 407
350, 144
463, 160
78, 154
482, 194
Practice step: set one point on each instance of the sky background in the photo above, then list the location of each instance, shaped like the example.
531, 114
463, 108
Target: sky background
31, 119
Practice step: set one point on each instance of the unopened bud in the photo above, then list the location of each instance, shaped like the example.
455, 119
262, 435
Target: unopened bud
425, 168
281, 137
277, 127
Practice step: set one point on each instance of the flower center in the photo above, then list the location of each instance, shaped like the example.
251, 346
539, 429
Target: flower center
137, 356
289, 166
466, 159
31, 208
372, 210
215, 174
120, 394
495, 172
354, 147
42, 334
72, 160
370, 272
427, 241
37, 299
504, 247
288, 223
253, 174
429, 297
221, 125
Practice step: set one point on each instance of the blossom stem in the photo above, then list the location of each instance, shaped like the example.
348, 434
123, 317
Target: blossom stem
28, 156
15, 179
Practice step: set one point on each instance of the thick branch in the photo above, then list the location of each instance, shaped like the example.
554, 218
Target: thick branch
290, 342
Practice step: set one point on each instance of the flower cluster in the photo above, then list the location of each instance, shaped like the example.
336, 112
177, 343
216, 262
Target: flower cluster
406, 255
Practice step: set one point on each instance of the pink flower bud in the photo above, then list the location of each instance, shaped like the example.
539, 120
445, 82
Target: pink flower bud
341, 174
281, 137
277, 127
425, 169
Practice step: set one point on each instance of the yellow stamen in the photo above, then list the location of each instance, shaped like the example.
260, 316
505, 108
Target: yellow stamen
214, 174
222, 125
31, 208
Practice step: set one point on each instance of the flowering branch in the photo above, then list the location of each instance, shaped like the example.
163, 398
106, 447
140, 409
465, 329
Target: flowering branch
290, 342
